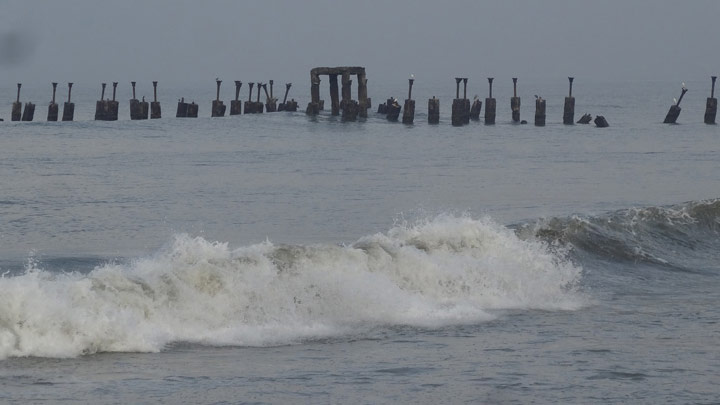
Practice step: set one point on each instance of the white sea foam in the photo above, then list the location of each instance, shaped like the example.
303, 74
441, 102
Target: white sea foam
442, 271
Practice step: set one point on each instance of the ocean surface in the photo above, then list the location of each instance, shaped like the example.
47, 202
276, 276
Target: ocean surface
281, 258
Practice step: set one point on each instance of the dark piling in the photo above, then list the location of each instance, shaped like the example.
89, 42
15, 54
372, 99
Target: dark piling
258, 105
433, 110
16, 114
674, 112
348, 106
409, 108
53, 107
113, 105
601, 122
458, 106
585, 119
363, 101
283, 105
192, 110
539, 112
271, 102
466, 103
711, 104
218, 108
182, 109
334, 95
155, 111
28, 112
101, 106
569, 109
136, 109
236, 105
490, 105
68, 107
249, 105
515, 103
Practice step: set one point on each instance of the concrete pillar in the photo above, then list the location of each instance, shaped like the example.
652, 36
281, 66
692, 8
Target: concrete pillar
218, 108
68, 107
283, 105
313, 107
601, 122
113, 106
155, 111
466, 103
334, 95
711, 104
236, 105
409, 108
569, 109
182, 109
193, 110
17, 106
249, 105
675, 109
135, 107
585, 119
348, 106
458, 105
490, 105
101, 105
258, 105
515, 103
363, 101
433, 110
53, 107
271, 103
539, 112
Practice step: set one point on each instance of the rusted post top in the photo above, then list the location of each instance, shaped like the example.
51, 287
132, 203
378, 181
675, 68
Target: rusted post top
712, 91
457, 86
218, 89
114, 89
54, 84
514, 86
155, 91
271, 88
465, 79
69, 91
18, 93
490, 80
133, 88
570, 79
102, 93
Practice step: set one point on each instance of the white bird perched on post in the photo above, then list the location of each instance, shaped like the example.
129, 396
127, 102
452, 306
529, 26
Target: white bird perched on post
412, 76
684, 88
674, 101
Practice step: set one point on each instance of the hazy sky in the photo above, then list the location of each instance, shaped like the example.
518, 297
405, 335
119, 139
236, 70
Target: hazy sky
173, 40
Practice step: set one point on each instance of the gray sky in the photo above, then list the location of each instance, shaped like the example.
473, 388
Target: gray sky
197, 40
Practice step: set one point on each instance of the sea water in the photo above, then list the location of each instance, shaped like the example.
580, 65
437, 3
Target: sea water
281, 258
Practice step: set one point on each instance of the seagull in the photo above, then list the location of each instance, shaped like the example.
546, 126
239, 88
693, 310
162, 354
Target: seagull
683, 84
674, 101
536, 96
412, 76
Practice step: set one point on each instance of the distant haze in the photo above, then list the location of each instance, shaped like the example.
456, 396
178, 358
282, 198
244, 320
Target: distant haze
173, 40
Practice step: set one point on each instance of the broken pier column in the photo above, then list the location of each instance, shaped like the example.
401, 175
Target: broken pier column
218, 108
28, 112
711, 104
68, 107
182, 109
458, 105
313, 107
539, 111
192, 110
138, 109
475, 108
258, 105
249, 105
16, 114
271, 102
334, 95
288, 105
433, 110
409, 108
585, 119
466, 103
490, 105
674, 111
363, 100
601, 122
392, 109
569, 109
348, 106
101, 106
113, 105
515, 103
155, 111
236, 105
53, 107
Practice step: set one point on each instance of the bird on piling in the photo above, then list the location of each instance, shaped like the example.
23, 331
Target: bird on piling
674, 101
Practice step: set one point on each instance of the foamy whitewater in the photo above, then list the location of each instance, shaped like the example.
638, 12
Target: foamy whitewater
286, 259
447, 270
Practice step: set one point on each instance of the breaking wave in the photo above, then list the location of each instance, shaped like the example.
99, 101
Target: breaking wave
440, 271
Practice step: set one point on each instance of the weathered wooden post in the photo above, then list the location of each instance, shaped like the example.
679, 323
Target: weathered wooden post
258, 105
236, 105
334, 96
711, 104
135, 107
569, 109
409, 108
182, 109
267, 97
100, 105
393, 109
284, 105
218, 108
68, 107
249, 105
475, 108
348, 106
466, 103
113, 106
155, 105
271, 103
433, 110
28, 111
16, 114
490, 105
53, 107
515, 103
539, 111
585, 119
674, 111
363, 100
458, 105
193, 110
